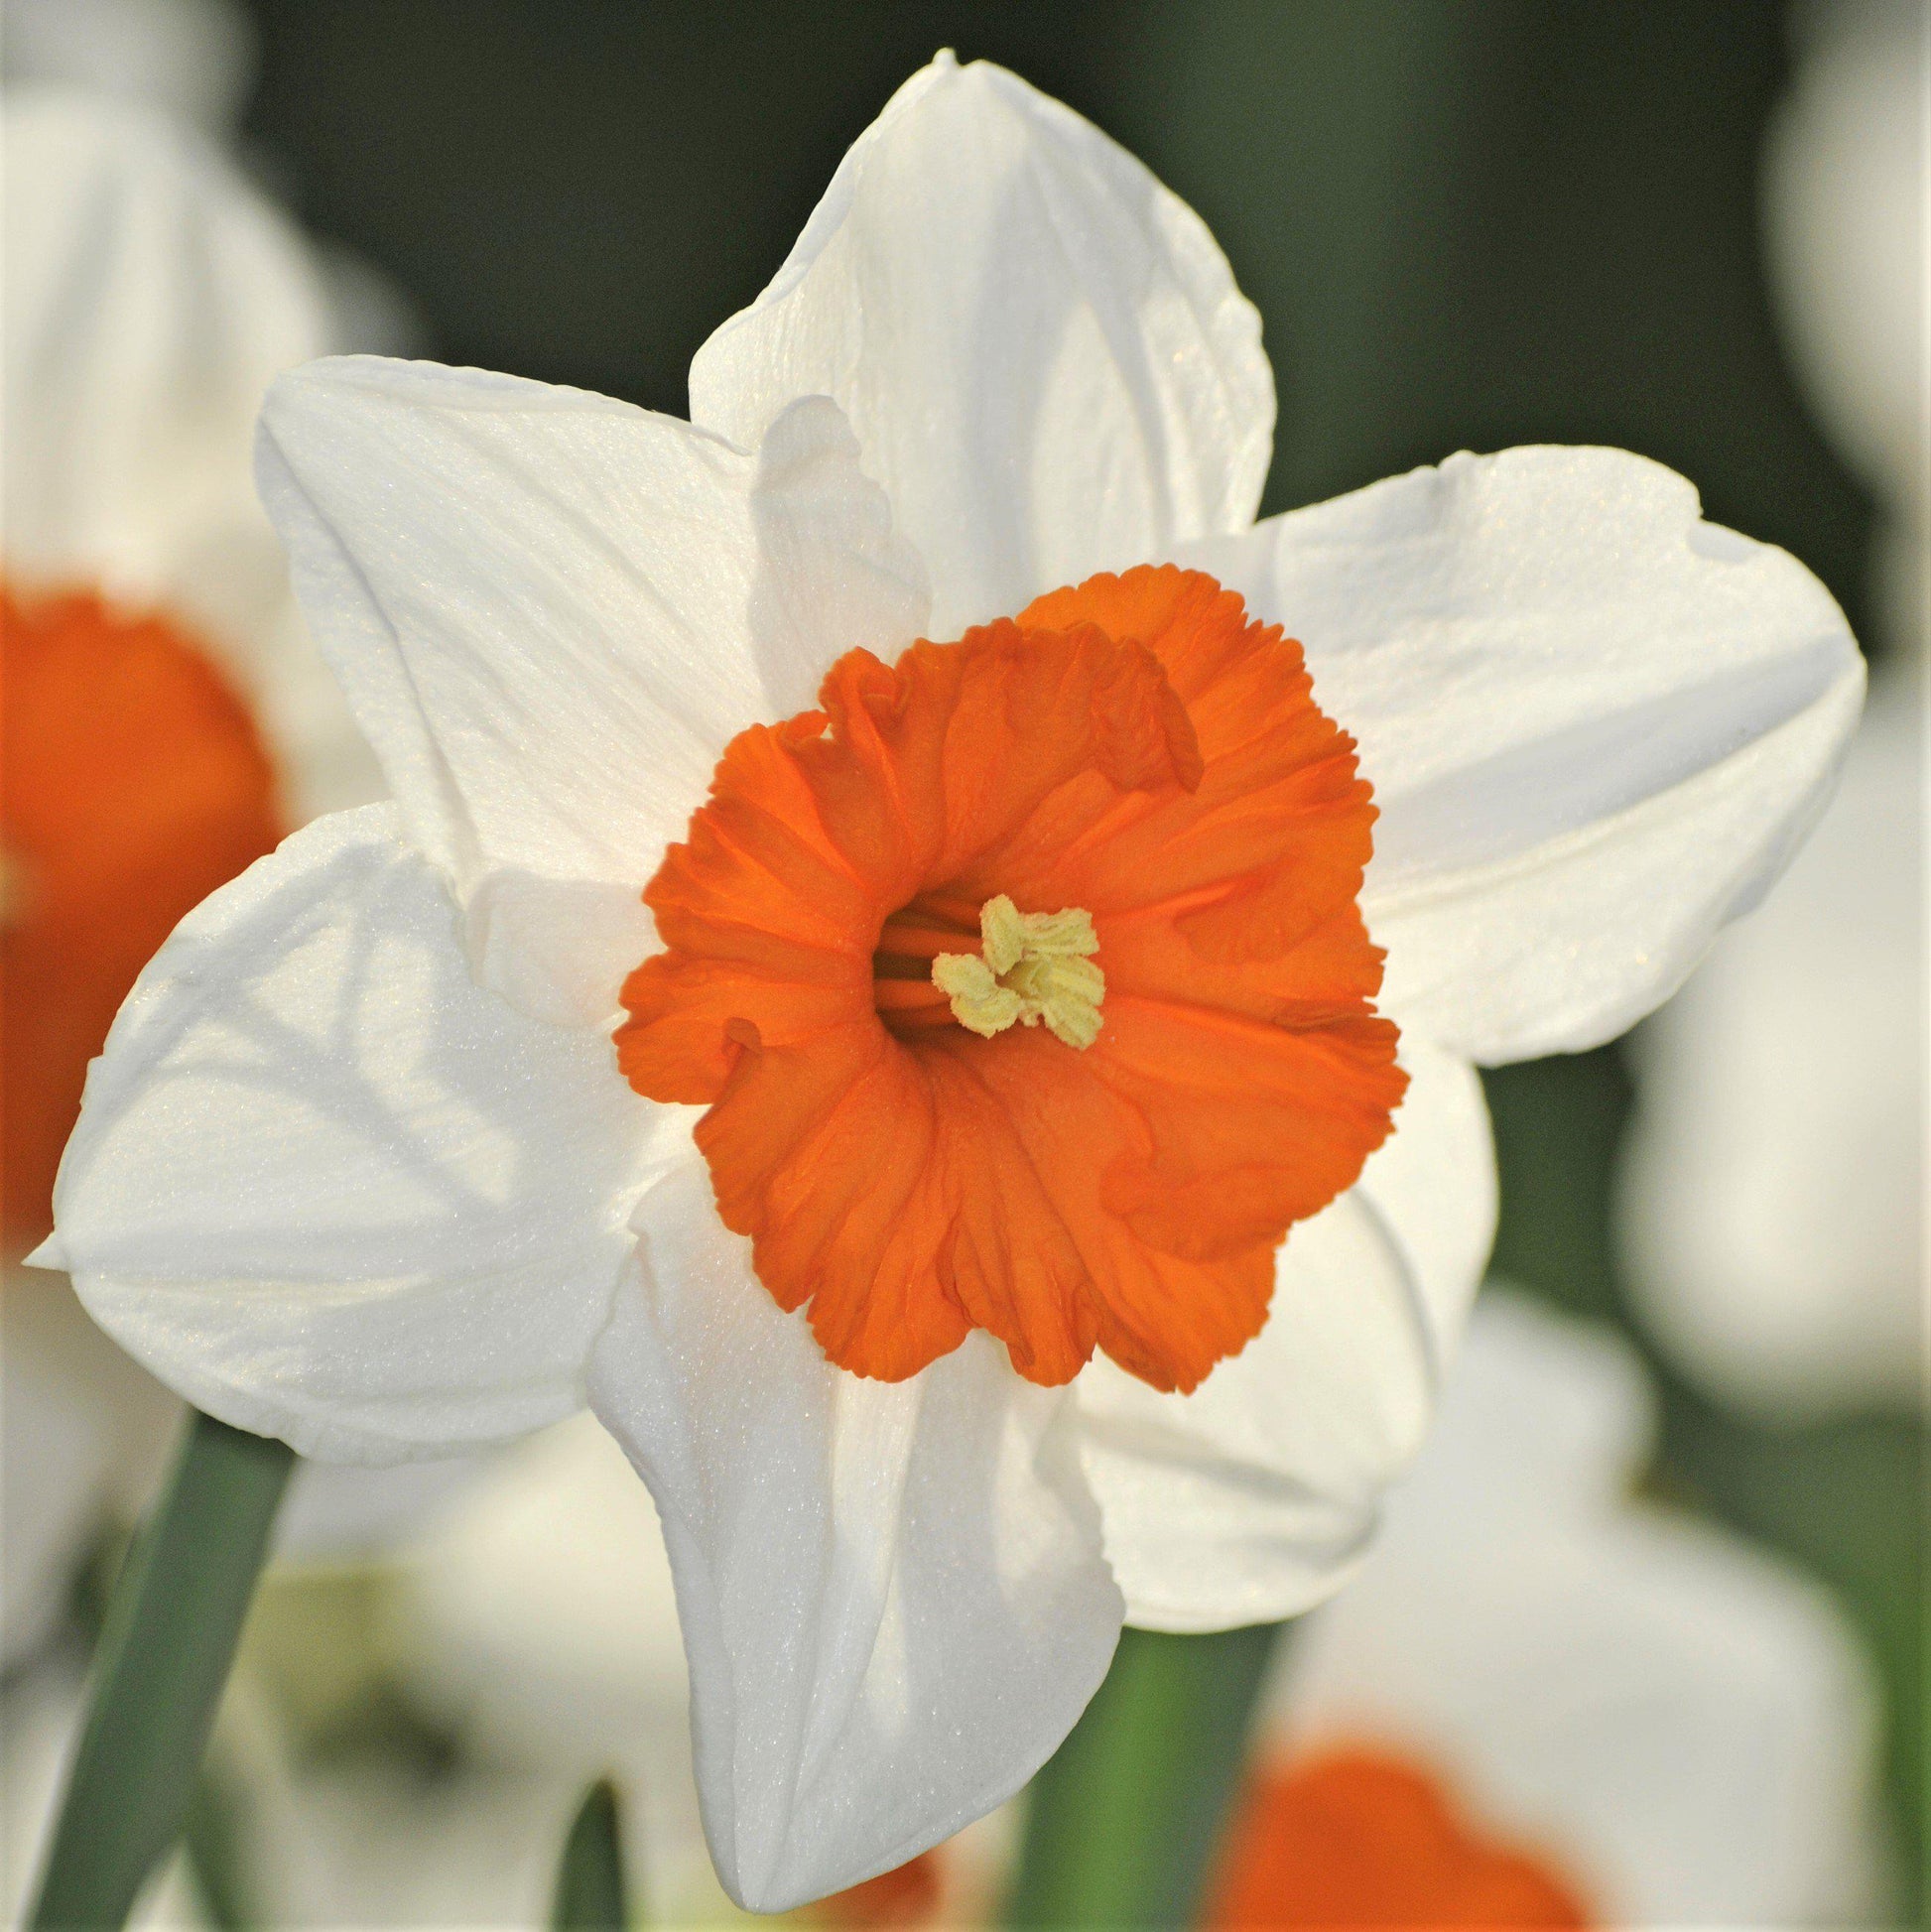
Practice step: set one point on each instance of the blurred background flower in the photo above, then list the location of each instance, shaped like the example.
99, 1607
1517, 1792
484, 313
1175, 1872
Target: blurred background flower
166, 719
1775, 1192
1689, 227
1549, 1701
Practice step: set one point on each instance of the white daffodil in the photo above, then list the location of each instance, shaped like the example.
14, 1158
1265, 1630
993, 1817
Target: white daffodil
1774, 1185
167, 720
912, 1335
1544, 1703
190, 60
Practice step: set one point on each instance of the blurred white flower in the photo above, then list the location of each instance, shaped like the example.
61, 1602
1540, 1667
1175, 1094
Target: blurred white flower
166, 717
190, 60
372, 1843
1845, 219
1541, 1692
539, 1619
1774, 1183
360, 1167
1773, 1192
82, 1431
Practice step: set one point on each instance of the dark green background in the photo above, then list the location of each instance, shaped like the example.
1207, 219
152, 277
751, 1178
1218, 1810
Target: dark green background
1465, 224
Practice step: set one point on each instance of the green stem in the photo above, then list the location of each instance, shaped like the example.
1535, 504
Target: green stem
165, 1649
589, 1875
1122, 1823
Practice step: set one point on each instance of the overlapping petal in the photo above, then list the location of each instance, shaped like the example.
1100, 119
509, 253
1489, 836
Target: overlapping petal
893, 1598
1256, 1495
329, 1189
551, 610
1596, 726
1042, 349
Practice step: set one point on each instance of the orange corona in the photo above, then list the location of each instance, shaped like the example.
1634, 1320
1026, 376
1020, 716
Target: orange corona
135, 783
1360, 1839
1026, 987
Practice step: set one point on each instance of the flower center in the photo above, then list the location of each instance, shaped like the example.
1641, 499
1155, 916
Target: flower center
850, 985
1031, 967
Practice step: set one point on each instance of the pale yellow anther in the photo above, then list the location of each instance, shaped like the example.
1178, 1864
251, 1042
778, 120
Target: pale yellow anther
1031, 966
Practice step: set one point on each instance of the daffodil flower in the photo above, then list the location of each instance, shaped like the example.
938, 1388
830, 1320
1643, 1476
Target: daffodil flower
942, 1347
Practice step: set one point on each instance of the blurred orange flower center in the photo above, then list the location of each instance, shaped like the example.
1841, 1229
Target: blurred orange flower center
1359, 1837
135, 783
1026, 985
907, 1895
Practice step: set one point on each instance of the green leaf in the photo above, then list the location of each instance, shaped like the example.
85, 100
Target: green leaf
589, 1894
164, 1656
1122, 1824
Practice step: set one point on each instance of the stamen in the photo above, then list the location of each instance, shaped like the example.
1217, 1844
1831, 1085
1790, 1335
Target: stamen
1031, 967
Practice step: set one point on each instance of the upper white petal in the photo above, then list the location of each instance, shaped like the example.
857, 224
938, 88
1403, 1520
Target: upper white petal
1041, 348
327, 1188
1257, 1494
1597, 728
893, 1600
551, 612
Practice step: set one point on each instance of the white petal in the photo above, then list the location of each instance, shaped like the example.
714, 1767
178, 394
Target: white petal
327, 1188
551, 612
1256, 1495
149, 297
893, 1600
557, 949
833, 574
1597, 728
1041, 348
